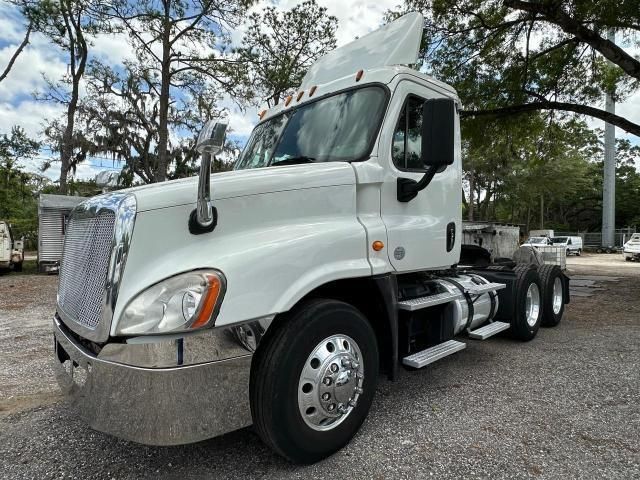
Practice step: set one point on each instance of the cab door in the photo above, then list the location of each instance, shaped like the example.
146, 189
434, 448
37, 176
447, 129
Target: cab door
425, 232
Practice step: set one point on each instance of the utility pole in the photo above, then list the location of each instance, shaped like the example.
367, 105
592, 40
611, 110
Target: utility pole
609, 184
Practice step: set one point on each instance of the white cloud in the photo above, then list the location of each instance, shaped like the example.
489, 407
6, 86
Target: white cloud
29, 114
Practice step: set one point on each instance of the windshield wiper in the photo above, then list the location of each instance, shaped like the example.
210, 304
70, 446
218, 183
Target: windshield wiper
294, 160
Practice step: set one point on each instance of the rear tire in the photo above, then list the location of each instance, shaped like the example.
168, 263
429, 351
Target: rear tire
579, 253
528, 303
553, 294
289, 382
17, 267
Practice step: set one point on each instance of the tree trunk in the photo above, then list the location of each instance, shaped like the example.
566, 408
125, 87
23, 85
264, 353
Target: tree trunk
77, 61
541, 211
472, 185
160, 173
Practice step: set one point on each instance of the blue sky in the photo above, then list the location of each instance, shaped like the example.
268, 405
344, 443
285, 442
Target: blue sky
18, 106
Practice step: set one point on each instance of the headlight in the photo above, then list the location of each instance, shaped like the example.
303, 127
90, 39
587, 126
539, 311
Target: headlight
185, 302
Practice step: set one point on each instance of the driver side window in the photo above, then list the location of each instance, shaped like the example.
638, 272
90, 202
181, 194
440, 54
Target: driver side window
407, 138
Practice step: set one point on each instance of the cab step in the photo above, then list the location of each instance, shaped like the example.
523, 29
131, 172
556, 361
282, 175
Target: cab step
488, 330
428, 301
485, 288
430, 355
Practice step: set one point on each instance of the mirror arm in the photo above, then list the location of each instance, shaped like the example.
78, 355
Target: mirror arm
408, 188
205, 216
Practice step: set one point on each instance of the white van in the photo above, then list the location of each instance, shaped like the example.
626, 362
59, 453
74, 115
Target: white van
573, 244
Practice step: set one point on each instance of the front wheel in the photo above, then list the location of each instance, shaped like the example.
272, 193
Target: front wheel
313, 379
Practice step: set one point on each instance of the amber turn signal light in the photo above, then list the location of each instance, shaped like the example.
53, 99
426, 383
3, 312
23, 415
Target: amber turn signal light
209, 303
377, 245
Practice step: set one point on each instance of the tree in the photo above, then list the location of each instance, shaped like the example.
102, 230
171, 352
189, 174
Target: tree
21, 46
121, 110
279, 47
17, 200
508, 56
181, 50
67, 24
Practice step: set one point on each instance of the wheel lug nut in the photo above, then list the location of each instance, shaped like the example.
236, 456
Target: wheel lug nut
331, 407
334, 367
346, 363
342, 409
327, 381
326, 396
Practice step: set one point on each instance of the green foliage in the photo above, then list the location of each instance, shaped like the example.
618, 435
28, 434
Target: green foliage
279, 47
506, 56
18, 189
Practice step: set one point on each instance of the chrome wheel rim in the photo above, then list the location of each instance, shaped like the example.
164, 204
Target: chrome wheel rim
557, 295
532, 307
330, 382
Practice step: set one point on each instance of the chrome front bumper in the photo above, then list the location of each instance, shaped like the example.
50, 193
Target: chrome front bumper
132, 392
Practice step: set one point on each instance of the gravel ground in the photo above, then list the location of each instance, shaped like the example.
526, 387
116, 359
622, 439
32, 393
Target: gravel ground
566, 405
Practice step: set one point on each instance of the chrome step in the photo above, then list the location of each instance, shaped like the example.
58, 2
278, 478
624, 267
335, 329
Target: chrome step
428, 301
430, 355
489, 330
484, 288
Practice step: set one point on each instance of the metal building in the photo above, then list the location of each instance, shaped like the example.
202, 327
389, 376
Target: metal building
53, 212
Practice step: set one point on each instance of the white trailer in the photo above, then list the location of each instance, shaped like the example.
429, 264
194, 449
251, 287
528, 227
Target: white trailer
11, 249
277, 294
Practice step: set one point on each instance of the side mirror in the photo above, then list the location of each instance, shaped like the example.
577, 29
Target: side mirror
438, 144
210, 141
438, 137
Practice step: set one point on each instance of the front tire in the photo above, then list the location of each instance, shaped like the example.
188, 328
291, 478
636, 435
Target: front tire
528, 308
313, 379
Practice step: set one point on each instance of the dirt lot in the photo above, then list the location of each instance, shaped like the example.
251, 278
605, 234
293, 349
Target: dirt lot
566, 405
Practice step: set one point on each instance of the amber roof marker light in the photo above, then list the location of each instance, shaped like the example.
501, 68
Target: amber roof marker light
312, 91
300, 96
359, 75
288, 101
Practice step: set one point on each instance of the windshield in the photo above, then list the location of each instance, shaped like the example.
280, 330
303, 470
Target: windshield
340, 128
537, 240
559, 240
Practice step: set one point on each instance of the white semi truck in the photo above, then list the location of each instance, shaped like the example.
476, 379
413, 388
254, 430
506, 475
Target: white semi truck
276, 294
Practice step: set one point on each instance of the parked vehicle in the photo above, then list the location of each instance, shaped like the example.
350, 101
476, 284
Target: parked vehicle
11, 250
330, 253
631, 249
537, 241
573, 245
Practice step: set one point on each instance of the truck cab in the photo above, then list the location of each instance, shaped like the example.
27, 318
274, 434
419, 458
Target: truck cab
11, 250
277, 294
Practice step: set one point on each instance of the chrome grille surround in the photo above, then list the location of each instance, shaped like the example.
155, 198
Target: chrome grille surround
95, 251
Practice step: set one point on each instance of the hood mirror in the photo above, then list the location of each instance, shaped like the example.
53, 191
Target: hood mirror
210, 141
